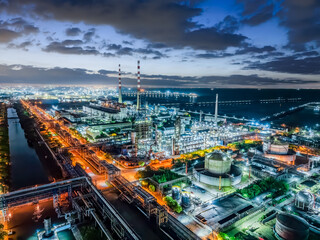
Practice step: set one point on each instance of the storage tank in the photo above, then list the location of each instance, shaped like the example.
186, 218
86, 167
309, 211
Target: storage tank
218, 162
304, 200
217, 170
176, 193
185, 199
291, 227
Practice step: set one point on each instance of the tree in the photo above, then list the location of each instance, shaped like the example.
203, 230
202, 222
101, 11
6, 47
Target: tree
173, 204
2, 232
152, 188
108, 155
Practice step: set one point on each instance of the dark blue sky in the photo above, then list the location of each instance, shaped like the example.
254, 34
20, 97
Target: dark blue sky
227, 43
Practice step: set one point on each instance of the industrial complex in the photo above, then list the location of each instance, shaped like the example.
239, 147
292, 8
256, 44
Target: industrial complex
182, 174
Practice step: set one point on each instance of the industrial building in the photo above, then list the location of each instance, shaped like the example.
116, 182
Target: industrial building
291, 227
218, 170
279, 150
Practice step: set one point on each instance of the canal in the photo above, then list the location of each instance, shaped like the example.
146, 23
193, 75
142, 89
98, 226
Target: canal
26, 167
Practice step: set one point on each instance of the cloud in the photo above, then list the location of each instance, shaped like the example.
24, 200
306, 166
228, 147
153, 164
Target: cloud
114, 47
72, 42
18, 74
72, 32
253, 49
127, 42
248, 49
7, 35
300, 17
89, 35
232, 80
125, 51
157, 45
35, 75
162, 21
15, 28
256, 12
20, 25
228, 25
290, 64
120, 50
22, 45
209, 55
76, 46
70, 47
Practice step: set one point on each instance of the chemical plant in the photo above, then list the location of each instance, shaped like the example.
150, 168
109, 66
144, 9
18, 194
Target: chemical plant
134, 164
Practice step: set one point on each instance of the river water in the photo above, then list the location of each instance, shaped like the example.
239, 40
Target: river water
26, 167
27, 170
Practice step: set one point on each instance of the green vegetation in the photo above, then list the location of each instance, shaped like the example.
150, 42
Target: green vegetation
304, 149
75, 133
188, 157
282, 199
160, 176
227, 188
108, 156
200, 153
3, 233
173, 204
102, 135
152, 188
225, 236
141, 163
48, 137
4, 150
245, 145
277, 188
315, 188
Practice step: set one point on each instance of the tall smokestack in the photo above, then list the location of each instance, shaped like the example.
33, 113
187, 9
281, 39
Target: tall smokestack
120, 92
216, 111
138, 87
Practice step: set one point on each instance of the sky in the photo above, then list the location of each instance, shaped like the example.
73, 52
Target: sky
185, 44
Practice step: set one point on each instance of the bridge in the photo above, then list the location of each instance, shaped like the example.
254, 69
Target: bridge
158, 94
287, 112
231, 102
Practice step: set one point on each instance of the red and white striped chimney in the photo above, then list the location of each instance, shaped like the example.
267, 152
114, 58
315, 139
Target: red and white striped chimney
120, 92
138, 86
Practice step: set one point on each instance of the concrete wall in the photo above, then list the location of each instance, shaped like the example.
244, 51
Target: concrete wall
214, 181
218, 166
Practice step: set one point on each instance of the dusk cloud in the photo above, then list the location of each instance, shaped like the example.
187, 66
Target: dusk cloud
167, 22
70, 47
14, 28
70, 76
290, 64
74, 31
250, 41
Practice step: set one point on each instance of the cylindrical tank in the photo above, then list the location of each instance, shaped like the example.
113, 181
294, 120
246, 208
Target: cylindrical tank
291, 227
280, 148
176, 193
185, 199
47, 226
218, 162
304, 200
